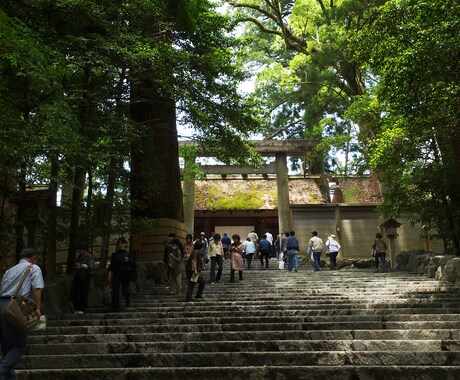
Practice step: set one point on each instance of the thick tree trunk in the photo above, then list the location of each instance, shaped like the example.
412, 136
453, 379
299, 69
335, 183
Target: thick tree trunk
50, 246
20, 211
89, 236
79, 183
108, 212
7, 232
155, 178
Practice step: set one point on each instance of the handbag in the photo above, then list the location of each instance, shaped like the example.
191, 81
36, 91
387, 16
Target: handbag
21, 312
107, 295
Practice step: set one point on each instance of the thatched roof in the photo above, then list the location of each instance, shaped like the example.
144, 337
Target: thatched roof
261, 193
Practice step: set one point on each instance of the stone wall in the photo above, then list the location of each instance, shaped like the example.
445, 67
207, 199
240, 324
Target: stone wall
56, 295
442, 267
358, 225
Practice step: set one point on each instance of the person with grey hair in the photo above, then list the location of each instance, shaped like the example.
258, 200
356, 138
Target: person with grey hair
13, 341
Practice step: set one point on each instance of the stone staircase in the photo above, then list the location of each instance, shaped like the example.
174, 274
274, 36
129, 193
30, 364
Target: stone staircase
348, 324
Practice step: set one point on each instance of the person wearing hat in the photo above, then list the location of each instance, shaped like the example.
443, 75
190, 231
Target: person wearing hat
333, 248
315, 245
84, 264
121, 271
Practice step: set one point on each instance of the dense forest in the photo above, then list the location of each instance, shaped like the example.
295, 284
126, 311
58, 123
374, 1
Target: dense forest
92, 92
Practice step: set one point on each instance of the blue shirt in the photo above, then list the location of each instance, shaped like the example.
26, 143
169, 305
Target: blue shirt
12, 277
225, 240
265, 246
292, 243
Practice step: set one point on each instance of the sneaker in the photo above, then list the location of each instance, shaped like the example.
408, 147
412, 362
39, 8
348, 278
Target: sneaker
78, 312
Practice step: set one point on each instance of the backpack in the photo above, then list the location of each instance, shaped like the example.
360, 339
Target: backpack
380, 245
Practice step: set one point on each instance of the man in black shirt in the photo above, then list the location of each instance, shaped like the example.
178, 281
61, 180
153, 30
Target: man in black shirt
121, 271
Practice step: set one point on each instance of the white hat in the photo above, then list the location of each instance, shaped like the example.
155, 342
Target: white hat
332, 236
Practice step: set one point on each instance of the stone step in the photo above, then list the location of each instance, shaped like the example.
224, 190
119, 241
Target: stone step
242, 359
436, 319
318, 289
352, 324
280, 334
347, 372
319, 315
255, 299
243, 346
212, 320
308, 315
390, 300
250, 326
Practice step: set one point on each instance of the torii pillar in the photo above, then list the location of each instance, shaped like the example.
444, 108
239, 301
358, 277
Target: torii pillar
269, 148
285, 220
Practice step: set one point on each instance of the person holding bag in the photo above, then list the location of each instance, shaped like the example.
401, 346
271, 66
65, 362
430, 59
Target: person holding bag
194, 270
121, 270
14, 341
84, 264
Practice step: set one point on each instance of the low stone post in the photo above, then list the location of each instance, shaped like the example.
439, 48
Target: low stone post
390, 227
426, 239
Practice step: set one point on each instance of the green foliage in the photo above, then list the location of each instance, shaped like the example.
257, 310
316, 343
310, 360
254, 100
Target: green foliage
192, 170
68, 72
308, 72
413, 46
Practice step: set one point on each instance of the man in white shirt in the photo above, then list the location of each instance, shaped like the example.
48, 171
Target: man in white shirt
269, 237
14, 342
315, 245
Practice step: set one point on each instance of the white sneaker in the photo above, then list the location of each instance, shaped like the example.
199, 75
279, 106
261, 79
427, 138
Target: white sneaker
78, 312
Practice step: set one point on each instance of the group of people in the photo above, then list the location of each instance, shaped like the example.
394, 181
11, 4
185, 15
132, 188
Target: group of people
189, 260
287, 249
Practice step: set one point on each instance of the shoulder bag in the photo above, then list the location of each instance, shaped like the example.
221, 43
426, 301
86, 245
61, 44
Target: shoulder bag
21, 312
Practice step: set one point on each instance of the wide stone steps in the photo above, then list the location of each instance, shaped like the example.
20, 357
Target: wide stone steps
245, 359
306, 314
249, 326
245, 346
431, 334
348, 372
352, 324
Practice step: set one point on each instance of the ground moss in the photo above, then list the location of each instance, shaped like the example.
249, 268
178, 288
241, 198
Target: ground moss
251, 198
350, 194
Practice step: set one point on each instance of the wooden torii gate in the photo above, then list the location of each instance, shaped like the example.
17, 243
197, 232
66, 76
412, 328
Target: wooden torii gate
280, 149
